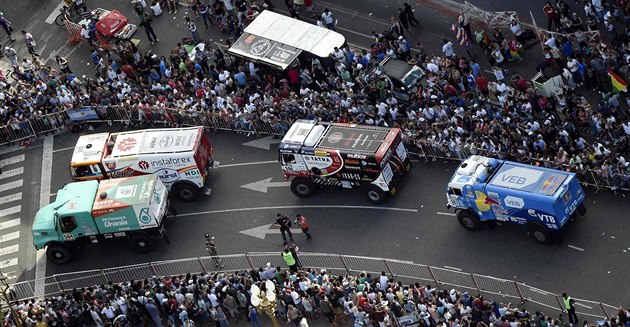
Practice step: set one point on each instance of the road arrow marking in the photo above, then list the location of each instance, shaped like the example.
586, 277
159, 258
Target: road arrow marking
262, 231
262, 143
263, 185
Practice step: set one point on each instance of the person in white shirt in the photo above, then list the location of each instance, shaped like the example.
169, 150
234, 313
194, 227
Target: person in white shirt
327, 18
447, 48
156, 8
551, 42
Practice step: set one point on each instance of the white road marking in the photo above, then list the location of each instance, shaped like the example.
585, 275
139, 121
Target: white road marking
11, 185
262, 231
52, 194
8, 263
453, 268
11, 198
53, 15
575, 247
264, 185
295, 207
10, 223
12, 160
247, 164
9, 249
9, 237
63, 149
10, 211
12, 172
44, 199
446, 213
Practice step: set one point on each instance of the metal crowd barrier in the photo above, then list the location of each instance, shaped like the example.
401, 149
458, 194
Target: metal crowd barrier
588, 177
253, 124
405, 271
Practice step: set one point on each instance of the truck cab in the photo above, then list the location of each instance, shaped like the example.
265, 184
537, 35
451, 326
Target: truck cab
490, 190
92, 212
68, 219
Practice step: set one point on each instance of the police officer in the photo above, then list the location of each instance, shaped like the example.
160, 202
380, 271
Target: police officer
284, 223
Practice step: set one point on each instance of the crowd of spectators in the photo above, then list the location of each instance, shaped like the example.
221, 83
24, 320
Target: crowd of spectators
456, 109
302, 296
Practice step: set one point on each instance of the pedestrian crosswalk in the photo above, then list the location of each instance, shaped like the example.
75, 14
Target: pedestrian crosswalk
11, 188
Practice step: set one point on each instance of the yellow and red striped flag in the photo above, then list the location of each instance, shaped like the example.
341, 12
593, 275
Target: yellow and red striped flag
618, 83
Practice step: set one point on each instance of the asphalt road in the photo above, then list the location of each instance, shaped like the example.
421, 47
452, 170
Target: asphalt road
342, 222
412, 226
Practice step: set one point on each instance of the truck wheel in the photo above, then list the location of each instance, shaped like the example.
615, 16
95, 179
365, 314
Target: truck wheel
581, 209
186, 192
540, 234
143, 243
58, 253
302, 187
375, 194
469, 220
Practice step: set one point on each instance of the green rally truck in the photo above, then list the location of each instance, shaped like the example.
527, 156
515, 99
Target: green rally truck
91, 212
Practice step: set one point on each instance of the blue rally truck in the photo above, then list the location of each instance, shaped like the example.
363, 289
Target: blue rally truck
492, 190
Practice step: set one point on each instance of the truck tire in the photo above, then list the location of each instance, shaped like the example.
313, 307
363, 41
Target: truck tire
302, 187
186, 192
375, 194
540, 234
141, 242
581, 209
469, 220
58, 253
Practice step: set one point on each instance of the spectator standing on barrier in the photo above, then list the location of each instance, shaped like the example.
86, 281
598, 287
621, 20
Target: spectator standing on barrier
300, 220
284, 223
569, 307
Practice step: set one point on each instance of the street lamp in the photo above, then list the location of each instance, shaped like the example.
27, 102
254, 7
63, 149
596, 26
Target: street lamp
4, 283
265, 300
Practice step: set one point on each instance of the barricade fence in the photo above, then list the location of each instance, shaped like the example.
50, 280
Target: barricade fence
404, 271
597, 178
254, 124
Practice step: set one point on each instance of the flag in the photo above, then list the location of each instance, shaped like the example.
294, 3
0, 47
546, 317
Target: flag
618, 84
460, 34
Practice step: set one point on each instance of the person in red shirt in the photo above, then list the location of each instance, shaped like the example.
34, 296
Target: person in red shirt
294, 78
550, 12
308, 4
482, 84
129, 71
450, 90
301, 221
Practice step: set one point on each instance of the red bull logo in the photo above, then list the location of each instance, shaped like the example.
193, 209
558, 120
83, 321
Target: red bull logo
490, 201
